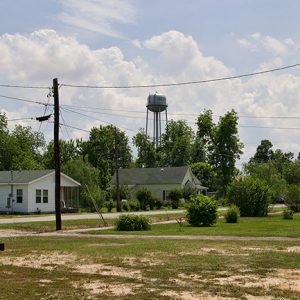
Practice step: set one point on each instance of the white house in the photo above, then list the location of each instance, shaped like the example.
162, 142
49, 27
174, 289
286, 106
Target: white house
158, 180
32, 191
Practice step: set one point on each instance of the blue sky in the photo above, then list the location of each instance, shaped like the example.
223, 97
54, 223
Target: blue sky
123, 42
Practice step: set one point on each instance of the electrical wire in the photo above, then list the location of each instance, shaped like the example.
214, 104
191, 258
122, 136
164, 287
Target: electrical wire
24, 100
24, 86
181, 83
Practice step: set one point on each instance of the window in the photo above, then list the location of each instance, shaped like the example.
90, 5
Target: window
19, 196
165, 195
38, 196
45, 196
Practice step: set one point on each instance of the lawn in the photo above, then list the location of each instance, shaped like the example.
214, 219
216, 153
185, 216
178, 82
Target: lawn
273, 225
95, 268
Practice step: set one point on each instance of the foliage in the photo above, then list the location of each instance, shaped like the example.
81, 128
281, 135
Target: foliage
287, 214
264, 152
291, 172
232, 214
251, 195
188, 192
83, 172
125, 206
110, 204
175, 195
292, 197
206, 174
132, 223
145, 199
106, 147
134, 205
147, 156
158, 203
202, 211
176, 144
123, 190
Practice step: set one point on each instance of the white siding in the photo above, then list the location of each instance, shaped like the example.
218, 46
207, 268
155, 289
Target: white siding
15, 207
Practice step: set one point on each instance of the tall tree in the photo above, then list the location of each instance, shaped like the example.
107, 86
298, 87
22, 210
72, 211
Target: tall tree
264, 152
177, 144
227, 148
147, 155
107, 145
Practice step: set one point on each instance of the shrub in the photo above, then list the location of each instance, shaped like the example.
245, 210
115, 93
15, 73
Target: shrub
132, 223
134, 205
145, 199
202, 211
292, 198
123, 190
125, 206
188, 192
158, 203
232, 214
175, 195
251, 196
110, 204
287, 214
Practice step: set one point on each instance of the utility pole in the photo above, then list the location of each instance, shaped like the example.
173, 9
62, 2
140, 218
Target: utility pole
56, 155
119, 208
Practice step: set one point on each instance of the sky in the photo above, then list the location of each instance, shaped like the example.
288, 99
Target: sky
141, 42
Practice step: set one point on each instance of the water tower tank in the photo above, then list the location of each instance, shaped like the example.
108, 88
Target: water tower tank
157, 102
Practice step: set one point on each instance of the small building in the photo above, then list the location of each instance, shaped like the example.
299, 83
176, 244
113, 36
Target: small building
158, 180
31, 191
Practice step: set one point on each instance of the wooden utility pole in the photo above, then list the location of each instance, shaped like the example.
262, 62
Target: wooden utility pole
56, 155
119, 208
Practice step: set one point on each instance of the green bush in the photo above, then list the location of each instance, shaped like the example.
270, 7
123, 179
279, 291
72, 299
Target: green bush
202, 211
158, 203
292, 197
145, 199
188, 192
132, 223
251, 196
287, 214
232, 214
134, 205
175, 195
110, 204
125, 206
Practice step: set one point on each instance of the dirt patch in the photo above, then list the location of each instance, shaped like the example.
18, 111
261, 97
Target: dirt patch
107, 270
133, 261
185, 295
44, 261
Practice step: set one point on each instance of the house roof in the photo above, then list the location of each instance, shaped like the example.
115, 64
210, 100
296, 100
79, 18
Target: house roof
24, 176
137, 176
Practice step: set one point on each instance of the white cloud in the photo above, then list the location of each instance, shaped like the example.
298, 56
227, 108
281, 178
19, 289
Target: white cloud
98, 16
37, 58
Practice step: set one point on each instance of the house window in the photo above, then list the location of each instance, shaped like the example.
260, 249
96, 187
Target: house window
19, 196
45, 196
38, 196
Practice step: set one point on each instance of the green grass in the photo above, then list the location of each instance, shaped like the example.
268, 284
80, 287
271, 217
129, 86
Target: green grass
273, 225
162, 265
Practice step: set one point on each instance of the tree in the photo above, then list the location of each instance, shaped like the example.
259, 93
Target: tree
206, 174
147, 156
226, 148
291, 172
69, 150
177, 144
264, 152
106, 147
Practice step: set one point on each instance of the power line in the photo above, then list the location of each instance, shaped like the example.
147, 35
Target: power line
24, 86
24, 100
181, 83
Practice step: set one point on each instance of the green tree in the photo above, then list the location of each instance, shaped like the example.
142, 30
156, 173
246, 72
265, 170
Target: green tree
291, 172
105, 144
177, 144
226, 148
147, 155
206, 174
264, 152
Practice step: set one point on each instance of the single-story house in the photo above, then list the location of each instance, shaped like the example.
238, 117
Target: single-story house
31, 191
158, 180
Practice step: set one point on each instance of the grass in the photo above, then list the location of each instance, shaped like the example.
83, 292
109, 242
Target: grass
165, 269
273, 225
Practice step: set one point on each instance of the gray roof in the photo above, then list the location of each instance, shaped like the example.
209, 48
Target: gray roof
24, 176
137, 176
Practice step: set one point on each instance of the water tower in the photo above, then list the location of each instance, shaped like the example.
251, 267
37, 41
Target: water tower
156, 103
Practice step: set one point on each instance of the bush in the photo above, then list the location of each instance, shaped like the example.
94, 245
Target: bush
134, 205
292, 198
158, 203
123, 190
125, 206
188, 192
251, 196
287, 214
202, 211
232, 214
110, 204
145, 199
132, 223
175, 195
